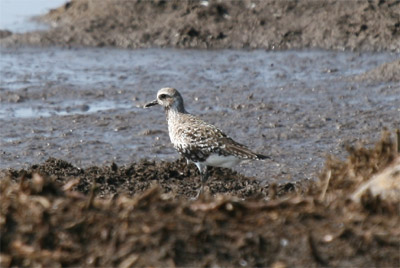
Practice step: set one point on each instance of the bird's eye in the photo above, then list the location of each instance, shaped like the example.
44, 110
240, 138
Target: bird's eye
162, 96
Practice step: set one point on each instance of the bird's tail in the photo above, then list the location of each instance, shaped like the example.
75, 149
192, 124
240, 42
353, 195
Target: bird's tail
262, 157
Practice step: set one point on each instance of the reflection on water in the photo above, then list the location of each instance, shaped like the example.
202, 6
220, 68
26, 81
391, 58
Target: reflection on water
67, 108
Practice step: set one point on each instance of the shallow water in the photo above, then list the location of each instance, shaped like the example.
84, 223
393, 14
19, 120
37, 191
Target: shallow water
84, 105
16, 15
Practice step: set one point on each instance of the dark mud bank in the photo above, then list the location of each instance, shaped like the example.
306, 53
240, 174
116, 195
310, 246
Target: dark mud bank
334, 24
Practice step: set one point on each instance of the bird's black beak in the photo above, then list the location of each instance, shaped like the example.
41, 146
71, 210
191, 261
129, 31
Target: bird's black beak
154, 102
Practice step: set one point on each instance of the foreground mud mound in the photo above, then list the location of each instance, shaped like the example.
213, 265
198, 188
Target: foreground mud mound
54, 215
176, 178
362, 25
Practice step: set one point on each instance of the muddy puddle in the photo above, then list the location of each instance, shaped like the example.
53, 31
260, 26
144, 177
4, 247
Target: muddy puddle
85, 105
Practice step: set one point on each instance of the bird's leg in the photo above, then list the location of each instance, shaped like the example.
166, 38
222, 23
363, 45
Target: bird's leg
204, 177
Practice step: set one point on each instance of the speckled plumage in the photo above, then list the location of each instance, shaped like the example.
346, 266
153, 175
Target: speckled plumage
198, 141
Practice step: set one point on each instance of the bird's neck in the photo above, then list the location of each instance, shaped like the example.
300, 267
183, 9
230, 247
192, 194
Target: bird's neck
174, 113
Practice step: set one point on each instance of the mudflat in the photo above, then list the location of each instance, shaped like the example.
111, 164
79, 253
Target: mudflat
88, 177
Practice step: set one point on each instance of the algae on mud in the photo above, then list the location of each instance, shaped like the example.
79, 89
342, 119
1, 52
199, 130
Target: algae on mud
52, 215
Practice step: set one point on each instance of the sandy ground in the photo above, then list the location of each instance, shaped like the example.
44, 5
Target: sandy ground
100, 199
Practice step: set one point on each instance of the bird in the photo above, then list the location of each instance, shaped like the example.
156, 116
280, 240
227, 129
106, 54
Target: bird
198, 141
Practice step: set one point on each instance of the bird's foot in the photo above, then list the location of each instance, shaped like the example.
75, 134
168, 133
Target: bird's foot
202, 192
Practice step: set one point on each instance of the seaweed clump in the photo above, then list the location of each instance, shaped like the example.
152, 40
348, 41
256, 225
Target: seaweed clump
58, 215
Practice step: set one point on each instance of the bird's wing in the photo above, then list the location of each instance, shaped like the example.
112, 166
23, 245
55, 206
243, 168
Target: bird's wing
203, 139
232, 147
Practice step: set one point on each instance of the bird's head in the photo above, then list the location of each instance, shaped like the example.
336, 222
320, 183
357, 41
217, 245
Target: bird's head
169, 98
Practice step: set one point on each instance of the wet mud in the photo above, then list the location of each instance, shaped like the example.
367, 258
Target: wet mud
85, 105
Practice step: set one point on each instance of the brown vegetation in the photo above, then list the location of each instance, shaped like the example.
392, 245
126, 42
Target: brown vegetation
54, 215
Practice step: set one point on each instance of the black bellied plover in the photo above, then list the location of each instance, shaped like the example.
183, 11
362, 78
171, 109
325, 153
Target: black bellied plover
199, 142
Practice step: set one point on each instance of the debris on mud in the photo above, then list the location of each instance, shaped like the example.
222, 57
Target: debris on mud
333, 24
140, 215
370, 174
